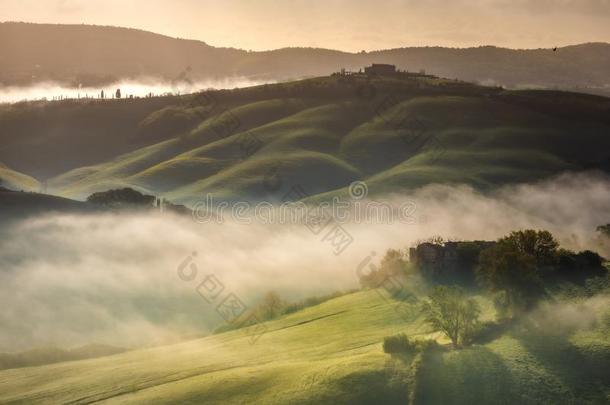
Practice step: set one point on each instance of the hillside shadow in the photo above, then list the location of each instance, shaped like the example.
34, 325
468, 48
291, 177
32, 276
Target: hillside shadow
585, 376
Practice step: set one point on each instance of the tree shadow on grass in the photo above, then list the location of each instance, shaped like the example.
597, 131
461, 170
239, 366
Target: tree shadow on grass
387, 386
469, 376
490, 331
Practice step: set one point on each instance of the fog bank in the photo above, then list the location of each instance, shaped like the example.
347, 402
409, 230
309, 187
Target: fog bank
136, 88
68, 280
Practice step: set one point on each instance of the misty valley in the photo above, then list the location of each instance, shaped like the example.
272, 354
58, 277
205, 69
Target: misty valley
212, 225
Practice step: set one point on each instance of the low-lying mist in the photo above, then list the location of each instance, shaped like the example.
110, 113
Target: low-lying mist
141, 87
68, 280
570, 316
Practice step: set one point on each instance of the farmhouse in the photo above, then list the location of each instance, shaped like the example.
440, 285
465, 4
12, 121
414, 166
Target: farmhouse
451, 259
381, 69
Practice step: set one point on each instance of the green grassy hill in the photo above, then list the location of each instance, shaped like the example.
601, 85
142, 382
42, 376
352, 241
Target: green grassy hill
14, 180
330, 353
322, 134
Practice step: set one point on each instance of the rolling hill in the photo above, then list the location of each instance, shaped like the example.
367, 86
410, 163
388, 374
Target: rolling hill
307, 357
14, 180
97, 55
17, 205
395, 133
117, 297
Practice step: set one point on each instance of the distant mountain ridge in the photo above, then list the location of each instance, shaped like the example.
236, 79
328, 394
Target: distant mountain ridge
92, 55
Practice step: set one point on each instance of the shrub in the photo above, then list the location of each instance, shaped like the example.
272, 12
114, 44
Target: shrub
402, 344
398, 344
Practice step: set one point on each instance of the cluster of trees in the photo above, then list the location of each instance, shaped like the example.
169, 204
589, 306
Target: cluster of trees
130, 198
272, 306
120, 198
516, 270
519, 266
512, 268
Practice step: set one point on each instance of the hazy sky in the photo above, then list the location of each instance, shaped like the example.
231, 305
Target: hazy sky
340, 24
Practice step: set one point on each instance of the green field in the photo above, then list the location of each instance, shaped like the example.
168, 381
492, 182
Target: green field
331, 353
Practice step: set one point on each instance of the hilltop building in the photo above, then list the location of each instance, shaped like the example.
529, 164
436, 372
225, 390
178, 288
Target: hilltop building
381, 69
451, 259
433, 258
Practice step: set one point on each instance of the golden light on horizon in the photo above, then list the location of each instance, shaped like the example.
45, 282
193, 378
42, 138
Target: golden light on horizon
339, 24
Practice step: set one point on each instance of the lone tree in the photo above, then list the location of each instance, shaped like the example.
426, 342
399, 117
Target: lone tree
512, 268
271, 306
450, 311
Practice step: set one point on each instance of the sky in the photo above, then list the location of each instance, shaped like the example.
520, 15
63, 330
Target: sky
350, 25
